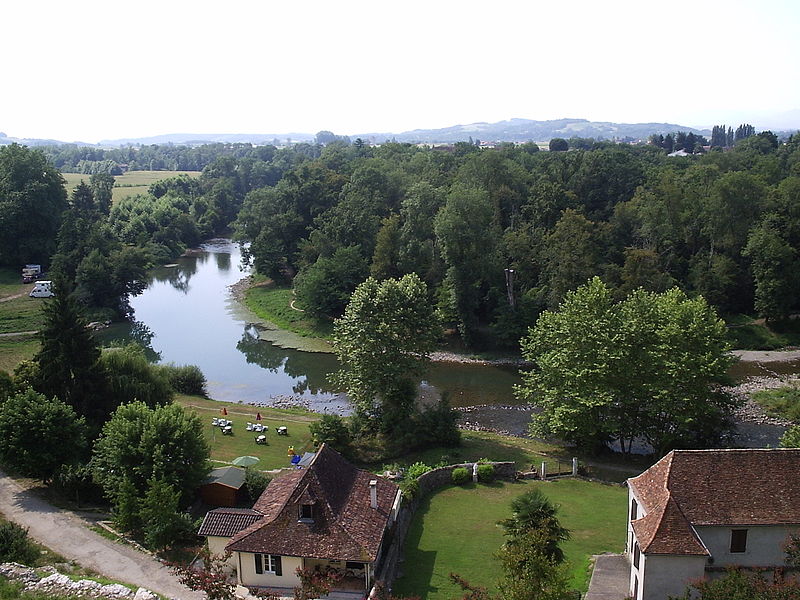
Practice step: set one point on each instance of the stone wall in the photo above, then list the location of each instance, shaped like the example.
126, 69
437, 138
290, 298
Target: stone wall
53, 584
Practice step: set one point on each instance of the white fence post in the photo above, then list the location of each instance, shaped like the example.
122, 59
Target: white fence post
544, 470
574, 466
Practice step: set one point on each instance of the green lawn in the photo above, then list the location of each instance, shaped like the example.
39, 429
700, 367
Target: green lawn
21, 314
15, 349
273, 303
11, 282
225, 448
455, 530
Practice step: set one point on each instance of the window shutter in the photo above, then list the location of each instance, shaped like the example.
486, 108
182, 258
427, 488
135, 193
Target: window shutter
277, 564
259, 564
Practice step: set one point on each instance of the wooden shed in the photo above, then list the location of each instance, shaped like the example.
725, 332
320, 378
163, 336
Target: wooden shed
224, 487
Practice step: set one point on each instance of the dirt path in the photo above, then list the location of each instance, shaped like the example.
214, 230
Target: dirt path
17, 333
14, 297
67, 534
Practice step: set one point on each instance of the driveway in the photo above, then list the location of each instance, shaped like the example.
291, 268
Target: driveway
610, 578
66, 533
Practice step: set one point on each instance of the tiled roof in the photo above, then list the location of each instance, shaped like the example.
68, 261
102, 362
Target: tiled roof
689, 488
344, 527
665, 530
225, 522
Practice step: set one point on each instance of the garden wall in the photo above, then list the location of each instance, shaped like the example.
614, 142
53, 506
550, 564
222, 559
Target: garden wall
428, 482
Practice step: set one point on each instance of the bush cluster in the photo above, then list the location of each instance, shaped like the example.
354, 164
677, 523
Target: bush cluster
460, 476
186, 379
15, 545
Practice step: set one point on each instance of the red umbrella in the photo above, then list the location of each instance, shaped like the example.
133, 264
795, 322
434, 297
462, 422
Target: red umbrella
258, 416
224, 411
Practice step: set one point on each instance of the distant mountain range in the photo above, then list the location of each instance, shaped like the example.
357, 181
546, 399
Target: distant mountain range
512, 130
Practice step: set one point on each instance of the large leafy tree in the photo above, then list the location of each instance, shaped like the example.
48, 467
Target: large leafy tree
139, 444
649, 366
383, 341
32, 198
38, 436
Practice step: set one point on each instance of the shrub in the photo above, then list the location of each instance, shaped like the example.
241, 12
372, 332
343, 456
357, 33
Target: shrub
15, 545
256, 482
460, 476
417, 469
186, 379
485, 473
332, 430
410, 489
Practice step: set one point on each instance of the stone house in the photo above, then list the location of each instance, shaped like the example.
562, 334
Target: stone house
329, 515
696, 512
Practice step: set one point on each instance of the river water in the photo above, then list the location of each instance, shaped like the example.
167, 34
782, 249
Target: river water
187, 316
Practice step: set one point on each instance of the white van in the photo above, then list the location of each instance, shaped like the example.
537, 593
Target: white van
42, 289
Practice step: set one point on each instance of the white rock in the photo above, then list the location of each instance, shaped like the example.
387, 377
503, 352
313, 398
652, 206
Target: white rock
144, 594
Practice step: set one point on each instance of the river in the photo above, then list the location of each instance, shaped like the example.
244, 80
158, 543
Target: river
188, 316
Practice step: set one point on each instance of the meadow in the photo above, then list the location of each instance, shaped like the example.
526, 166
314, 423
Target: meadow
129, 183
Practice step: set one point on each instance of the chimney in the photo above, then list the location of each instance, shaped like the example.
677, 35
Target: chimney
373, 493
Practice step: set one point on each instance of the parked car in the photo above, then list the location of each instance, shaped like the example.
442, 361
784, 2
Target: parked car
42, 289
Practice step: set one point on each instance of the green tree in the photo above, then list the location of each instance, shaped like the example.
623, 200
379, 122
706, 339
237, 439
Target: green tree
469, 246
529, 572
650, 365
533, 513
163, 524
68, 361
131, 377
383, 342
38, 436
736, 584
138, 444
558, 145
775, 269
32, 199
325, 287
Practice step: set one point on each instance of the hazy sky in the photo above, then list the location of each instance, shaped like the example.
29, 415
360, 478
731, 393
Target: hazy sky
91, 70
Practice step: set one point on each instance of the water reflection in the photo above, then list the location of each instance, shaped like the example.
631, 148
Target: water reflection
223, 261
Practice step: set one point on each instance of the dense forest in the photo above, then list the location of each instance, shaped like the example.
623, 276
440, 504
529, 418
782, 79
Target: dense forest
498, 235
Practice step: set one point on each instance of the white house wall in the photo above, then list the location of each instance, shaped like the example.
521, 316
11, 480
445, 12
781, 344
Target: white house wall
216, 546
249, 577
662, 576
764, 545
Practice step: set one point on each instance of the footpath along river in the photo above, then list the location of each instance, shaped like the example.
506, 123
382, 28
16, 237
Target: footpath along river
189, 315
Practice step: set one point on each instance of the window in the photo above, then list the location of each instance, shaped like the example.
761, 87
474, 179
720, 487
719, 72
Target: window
268, 563
634, 506
636, 553
738, 540
306, 512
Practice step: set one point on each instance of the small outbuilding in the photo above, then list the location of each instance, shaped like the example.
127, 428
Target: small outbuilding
224, 487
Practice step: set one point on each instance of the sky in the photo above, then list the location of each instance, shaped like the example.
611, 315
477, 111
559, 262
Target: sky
85, 70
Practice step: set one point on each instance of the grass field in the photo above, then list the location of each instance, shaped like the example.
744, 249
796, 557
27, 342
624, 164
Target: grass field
21, 314
11, 282
455, 530
15, 349
225, 448
128, 184
273, 303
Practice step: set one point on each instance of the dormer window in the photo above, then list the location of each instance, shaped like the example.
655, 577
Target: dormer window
307, 513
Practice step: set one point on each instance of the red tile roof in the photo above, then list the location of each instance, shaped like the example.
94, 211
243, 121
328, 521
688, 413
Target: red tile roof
345, 526
225, 522
689, 488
